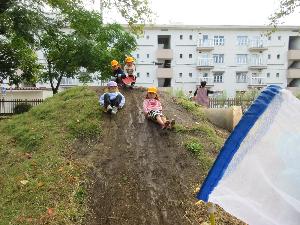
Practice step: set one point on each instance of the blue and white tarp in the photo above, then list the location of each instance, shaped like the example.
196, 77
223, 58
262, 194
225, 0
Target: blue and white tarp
256, 176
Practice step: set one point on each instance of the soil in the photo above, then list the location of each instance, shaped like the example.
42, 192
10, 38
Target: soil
141, 174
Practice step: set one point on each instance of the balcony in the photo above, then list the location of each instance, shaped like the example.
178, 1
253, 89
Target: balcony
205, 45
205, 63
164, 54
164, 73
257, 45
209, 81
293, 73
294, 55
256, 81
257, 63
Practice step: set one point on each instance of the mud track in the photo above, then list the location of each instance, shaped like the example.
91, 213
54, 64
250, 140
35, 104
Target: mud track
141, 174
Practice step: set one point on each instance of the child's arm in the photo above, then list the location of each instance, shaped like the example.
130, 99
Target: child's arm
122, 103
101, 100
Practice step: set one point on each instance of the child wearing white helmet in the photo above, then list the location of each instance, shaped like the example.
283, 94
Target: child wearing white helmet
153, 109
113, 99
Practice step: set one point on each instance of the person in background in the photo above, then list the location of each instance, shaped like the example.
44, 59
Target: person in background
113, 99
153, 109
130, 69
118, 73
201, 94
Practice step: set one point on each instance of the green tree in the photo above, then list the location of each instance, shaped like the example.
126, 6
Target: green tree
286, 7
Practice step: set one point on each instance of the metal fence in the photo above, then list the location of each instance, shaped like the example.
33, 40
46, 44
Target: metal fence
224, 103
7, 106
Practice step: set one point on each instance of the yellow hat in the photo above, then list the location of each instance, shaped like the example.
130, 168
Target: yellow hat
129, 59
152, 90
114, 63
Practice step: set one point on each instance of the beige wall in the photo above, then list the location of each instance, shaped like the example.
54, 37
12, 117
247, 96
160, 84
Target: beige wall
27, 94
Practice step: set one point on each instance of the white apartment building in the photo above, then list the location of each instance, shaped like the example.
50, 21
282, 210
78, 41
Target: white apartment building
228, 58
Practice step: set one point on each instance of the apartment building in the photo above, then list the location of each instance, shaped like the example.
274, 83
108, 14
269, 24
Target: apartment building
229, 58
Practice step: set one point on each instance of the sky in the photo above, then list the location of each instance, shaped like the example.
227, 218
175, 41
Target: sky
211, 12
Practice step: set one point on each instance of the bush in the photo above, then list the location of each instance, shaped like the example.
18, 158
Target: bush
21, 108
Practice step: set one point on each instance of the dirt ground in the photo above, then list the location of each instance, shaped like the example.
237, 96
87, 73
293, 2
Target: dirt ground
141, 174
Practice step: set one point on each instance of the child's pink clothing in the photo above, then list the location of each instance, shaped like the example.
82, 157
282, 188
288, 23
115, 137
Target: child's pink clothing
151, 104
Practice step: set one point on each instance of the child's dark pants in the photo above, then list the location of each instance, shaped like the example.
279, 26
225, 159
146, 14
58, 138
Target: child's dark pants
115, 102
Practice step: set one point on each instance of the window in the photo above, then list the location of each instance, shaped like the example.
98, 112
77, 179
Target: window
278, 56
219, 40
148, 55
190, 75
190, 56
180, 56
137, 56
241, 77
269, 56
138, 74
181, 37
279, 38
277, 75
191, 37
242, 40
180, 75
268, 75
218, 58
148, 74
205, 75
269, 38
218, 77
147, 37
241, 58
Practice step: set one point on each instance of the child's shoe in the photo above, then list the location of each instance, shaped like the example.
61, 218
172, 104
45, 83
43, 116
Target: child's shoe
109, 109
172, 123
114, 110
167, 124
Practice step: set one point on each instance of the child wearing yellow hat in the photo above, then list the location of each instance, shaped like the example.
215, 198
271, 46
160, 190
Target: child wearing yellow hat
153, 109
118, 73
130, 69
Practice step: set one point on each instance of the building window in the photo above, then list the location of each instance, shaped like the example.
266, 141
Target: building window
269, 56
138, 74
241, 58
137, 56
147, 37
190, 56
218, 77
148, 56
190, 75
181, 37
277, 75
180, 75
219, 40
191, 37
279, 38
180, 56
269, 38
148, 74
241, 77
205, 75
278, 56
218, 58
268, 75
242, 40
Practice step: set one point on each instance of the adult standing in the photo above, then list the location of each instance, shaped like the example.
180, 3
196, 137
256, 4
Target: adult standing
201, 94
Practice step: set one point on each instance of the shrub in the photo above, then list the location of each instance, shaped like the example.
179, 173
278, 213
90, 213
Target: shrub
21, 108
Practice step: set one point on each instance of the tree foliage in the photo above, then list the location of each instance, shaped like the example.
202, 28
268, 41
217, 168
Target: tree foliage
286, 7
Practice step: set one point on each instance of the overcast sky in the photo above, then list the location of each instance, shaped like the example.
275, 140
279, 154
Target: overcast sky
212, 12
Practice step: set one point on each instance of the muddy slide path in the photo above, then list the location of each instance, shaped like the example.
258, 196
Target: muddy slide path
142, 175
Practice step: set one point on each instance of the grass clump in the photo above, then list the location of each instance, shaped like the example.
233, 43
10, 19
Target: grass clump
192, 107
40, 182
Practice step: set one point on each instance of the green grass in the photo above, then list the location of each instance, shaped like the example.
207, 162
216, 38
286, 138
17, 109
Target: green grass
192, 107
40, 182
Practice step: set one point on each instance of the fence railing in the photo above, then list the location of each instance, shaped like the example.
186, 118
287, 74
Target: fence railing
7, 107
224, 103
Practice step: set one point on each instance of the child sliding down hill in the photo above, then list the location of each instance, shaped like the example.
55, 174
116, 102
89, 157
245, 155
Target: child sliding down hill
113, 99
153, 109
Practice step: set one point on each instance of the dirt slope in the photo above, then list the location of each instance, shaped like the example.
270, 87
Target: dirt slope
142, 175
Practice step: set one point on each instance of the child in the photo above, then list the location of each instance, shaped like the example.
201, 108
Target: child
118, 73
153, 109
113, 99
130, 69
